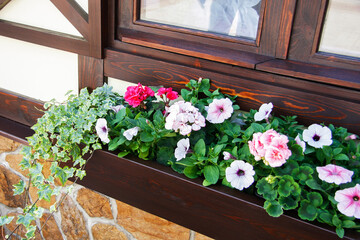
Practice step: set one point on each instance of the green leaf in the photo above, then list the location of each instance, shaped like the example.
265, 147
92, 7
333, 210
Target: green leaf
302, 173
341, 156
204, 85
257, 127
45, 193
326, 217
315, 199
313, 184
289, 202
188, 162
288, 186
146, 137
19, 187
211, 174
200, 148
327, 151
5, 220
164, 155
307, 211
336, 221
25, 219
273, 208
337, 151
206, 183
340, 232
348, 224
266, 189
123, 154
30, 233
191, 172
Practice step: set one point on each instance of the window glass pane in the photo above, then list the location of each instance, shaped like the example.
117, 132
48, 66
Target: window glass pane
341, 32
230, 17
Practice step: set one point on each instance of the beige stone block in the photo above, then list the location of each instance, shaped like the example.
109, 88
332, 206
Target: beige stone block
107, 232
146, 226
199, 236
7, 180
50, 230
72, 221
14, 162
94, 204
8, 145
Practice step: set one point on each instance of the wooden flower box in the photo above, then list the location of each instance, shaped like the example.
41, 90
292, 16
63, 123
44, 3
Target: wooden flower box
218, 212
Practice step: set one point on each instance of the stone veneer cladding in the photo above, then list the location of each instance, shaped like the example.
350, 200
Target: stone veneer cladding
84, 214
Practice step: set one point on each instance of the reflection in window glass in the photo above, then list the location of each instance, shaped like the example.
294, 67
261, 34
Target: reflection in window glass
230, 17
341, 32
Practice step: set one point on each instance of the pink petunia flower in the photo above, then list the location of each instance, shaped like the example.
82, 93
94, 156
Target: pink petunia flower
264, 112
219, 110
102, 130
317, 136
334, 174
349, 201
135, 95
240, 174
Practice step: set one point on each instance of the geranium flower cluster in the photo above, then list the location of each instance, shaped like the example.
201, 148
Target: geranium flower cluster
271, 147
135, 95
184, 117
167, 94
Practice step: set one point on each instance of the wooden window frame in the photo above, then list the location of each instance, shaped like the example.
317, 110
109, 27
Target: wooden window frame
214, 47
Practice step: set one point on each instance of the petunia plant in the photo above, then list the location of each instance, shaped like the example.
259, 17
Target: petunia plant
203, 134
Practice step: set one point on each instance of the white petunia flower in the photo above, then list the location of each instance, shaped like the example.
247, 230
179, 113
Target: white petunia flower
130, 133
117, 108
182, 148
240, 174
219, 110
102, 130
317, 136
301, 143
264, 112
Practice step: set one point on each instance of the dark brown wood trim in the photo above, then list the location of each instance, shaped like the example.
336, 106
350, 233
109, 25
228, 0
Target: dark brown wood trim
218, 212
313, 72
219, 54
44, 37
91, 72
3, 3
20, 108
75, 15
312, 102
285, 29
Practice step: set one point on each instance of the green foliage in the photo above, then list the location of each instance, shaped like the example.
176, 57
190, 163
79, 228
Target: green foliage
66, 134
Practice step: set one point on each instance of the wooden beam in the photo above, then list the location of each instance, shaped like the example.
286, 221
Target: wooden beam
75, 14
44, 37
96, 31
3, 3
91, 72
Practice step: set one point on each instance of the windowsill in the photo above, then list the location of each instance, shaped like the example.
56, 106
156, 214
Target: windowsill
218, 212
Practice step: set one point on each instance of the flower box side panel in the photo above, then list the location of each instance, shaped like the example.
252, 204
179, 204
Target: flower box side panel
219, 212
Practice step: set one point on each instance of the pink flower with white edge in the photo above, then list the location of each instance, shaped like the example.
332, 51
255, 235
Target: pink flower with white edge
240, 174
271, 147
117, 108
349, 201
264, 112
102, 130
317, 136
184, 117
256, 147
334, 174
227, 155
183, 146
130, 133
219, 110
301, 143
275, 157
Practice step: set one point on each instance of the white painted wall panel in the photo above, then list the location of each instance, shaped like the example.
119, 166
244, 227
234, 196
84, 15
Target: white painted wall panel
36, 71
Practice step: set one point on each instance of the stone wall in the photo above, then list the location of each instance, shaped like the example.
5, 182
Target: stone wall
84, 214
